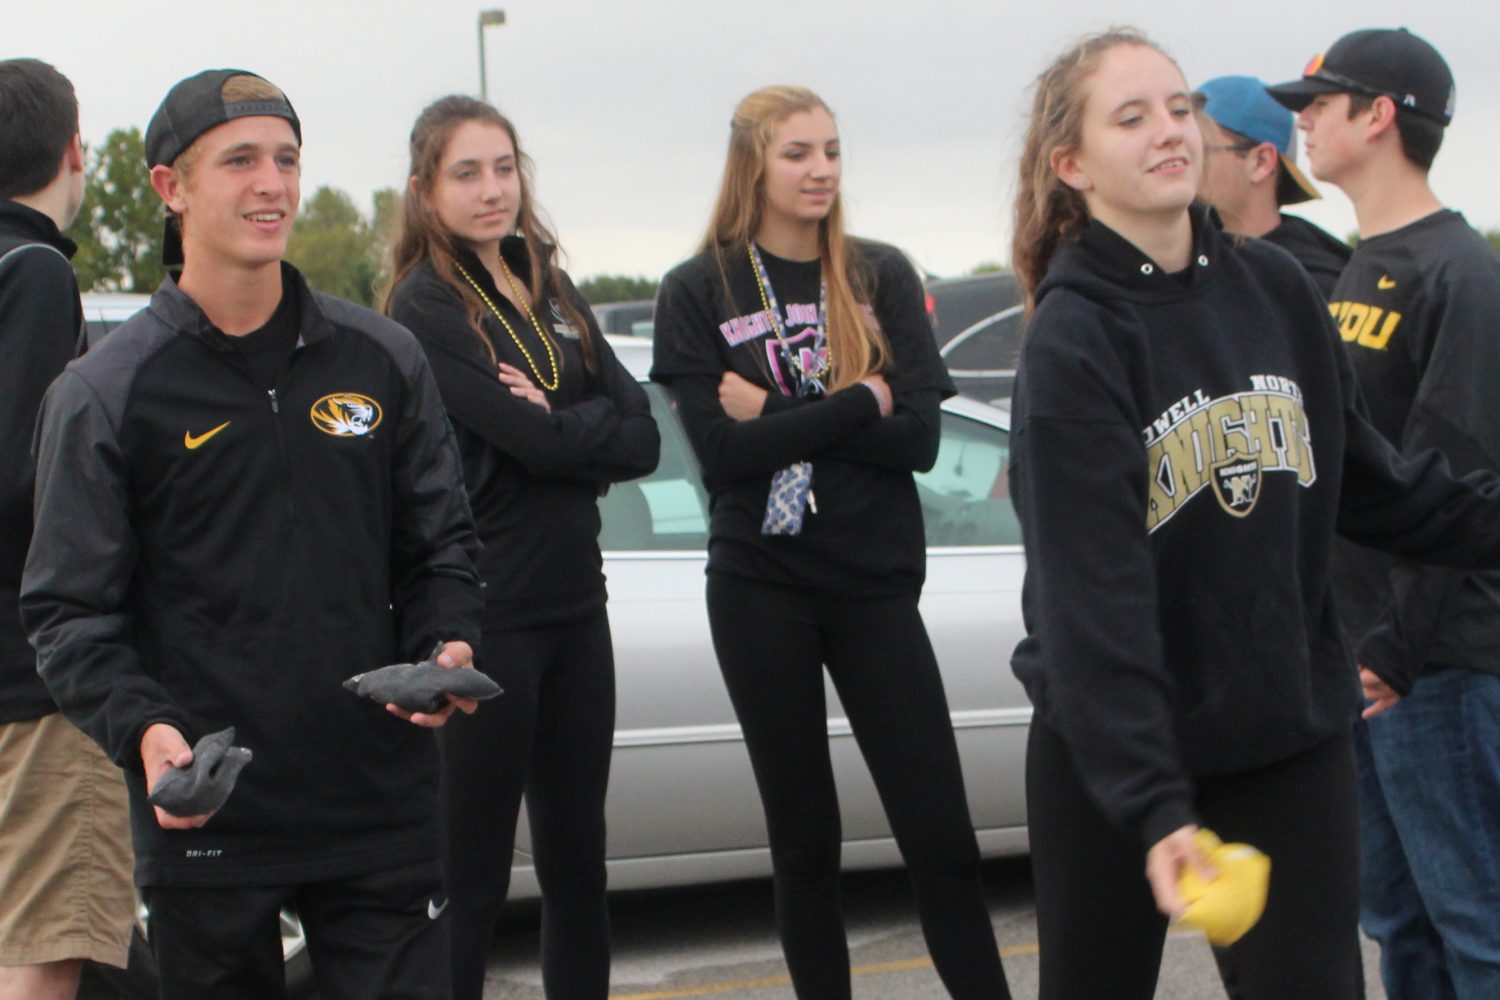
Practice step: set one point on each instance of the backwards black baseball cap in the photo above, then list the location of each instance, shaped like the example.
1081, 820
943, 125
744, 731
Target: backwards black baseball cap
1377, 62
202, 102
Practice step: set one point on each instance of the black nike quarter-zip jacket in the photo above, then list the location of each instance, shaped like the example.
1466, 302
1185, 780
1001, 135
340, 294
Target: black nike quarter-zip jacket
209, 553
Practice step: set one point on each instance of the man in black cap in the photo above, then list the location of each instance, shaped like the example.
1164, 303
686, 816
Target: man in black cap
246, 494
1417, 306
63, 831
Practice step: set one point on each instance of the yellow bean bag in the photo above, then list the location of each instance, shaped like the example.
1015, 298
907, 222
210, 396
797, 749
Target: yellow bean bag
1229, 905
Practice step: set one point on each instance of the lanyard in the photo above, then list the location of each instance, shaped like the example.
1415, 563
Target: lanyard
809, 381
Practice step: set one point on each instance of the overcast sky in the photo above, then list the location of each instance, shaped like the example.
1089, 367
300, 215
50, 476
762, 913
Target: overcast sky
625, 104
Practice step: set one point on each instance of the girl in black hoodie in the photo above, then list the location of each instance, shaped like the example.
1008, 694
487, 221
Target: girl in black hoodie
545, 416
1187, 439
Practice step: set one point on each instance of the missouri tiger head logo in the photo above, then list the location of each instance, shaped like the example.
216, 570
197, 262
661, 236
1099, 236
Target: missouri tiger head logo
1237, 485
346, 414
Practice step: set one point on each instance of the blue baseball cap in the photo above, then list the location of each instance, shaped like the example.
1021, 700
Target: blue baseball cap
1241, 104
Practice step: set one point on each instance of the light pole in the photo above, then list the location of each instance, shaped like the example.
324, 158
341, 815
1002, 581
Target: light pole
486, 18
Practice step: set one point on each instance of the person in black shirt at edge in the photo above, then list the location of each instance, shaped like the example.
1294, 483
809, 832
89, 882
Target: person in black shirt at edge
64, 832
1417, 309
546, 418
245, 494
1249, 172
1187, 439
804, 368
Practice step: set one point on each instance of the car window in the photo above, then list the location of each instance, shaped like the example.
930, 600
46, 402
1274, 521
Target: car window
966, 495
667, 510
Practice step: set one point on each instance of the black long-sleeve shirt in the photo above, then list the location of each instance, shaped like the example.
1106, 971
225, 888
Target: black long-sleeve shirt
40, 320
1184, 449
865, 535
1418, 310
1320, 254
533, 476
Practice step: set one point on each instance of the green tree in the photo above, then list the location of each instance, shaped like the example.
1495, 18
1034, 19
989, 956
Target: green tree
987, 267
387, 215
1493, 235
119, 228
336, 247
616, 288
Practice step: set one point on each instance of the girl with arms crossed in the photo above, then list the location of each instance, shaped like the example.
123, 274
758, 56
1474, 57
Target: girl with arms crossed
545, 417
806, 374
1186, 440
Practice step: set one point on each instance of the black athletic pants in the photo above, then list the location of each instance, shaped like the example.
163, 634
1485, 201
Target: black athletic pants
1098, 927
772, 643
382, 936
548, 736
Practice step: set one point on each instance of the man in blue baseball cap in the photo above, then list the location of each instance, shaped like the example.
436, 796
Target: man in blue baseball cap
1250, 171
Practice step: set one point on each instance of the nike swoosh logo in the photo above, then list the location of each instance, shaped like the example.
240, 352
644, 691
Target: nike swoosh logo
197, 442
1386, 283
434, 911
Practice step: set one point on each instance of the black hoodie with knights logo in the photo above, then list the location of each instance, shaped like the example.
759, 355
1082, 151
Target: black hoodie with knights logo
1184, 448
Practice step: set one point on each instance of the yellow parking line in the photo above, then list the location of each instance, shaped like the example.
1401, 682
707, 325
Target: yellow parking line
709, 989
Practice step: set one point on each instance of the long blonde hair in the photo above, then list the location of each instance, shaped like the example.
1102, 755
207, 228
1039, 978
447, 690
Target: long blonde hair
422, 236
857, 346
1047, 211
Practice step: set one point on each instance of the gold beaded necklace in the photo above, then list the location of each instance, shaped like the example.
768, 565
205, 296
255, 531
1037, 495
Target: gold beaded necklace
821, 344
515, 338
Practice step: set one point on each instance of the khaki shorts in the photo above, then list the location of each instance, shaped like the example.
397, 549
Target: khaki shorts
65, 860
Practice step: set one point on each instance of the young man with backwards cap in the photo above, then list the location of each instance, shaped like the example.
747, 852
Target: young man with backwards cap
63, 828
1417, 306
1250, 171
246, 494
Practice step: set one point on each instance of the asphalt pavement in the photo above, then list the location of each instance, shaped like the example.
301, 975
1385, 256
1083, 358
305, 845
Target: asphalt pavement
720, 941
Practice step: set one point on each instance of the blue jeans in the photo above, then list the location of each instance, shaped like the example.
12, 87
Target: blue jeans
1430, 822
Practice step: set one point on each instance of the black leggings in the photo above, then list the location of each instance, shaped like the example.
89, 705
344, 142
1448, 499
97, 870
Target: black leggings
1098, 926
772, 643
549, 735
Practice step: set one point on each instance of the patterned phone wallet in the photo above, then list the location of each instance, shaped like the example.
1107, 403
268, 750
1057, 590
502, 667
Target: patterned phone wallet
787, 502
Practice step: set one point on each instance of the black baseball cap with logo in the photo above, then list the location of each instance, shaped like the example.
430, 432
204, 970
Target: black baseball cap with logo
191, 108
1377, 62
